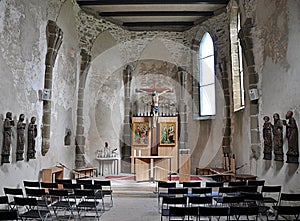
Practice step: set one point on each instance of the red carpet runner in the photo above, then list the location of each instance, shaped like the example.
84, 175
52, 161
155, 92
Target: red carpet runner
174, 178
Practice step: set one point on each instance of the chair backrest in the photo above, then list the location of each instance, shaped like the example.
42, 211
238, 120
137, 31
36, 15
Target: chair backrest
35, 192
165, 185
201, 190
84, 193
58, 193
25, 201
233, 200
229, 189
83, 182
271, 189
183, 212
247, 189
191, 184
9, 215
288, 210
49, 185
178, 191
13, 191
103, 182
167, 201
200, 200
71, 186
92, 187
256, 182
28, 183
3, 200
214, 184
289, 198
63, 181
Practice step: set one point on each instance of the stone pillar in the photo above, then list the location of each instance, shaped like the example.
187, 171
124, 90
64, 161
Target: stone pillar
226, 142
182, 109
80, 138
54, 39
126, 146
247, 45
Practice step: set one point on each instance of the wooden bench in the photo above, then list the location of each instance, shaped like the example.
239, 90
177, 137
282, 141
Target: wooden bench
84, 172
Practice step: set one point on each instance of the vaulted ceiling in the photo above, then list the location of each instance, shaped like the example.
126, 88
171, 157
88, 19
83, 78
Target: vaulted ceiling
150, 15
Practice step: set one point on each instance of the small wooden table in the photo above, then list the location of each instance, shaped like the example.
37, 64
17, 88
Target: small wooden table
84, 172
145, 165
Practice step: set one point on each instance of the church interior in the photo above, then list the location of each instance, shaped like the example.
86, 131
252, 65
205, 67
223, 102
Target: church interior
151, 90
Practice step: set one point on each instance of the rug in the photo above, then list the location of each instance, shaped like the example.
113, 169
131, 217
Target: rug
132, 177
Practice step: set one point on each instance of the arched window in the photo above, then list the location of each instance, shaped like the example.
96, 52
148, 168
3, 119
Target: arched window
237, 63
207, 77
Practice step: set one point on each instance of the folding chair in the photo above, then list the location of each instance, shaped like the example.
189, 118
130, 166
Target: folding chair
98, 192
215, 186
84, 181
288, 203
271, 194
60, 201
171, 201
202, 191
183, 213
174, 192
28, 209
40, 195
8, 215
11, 193
86, 202
244, 212
237, 183
162, 190
4, 203
106, 189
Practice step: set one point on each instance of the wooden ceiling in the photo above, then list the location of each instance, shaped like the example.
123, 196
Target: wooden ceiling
150, 15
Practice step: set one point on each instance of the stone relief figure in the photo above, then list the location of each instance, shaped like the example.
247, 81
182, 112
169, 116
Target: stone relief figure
278, 137
7, 132
32, 134
267, 135
68, 137
20, 137
292, 138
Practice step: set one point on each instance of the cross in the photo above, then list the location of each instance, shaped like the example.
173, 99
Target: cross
155, 91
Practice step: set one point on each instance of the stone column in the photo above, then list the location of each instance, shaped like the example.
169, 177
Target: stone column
183, 119
54, 40
80, 138
247, 45
226, 142
126, 146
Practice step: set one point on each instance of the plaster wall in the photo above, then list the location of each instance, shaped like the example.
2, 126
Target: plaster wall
276, 51
22, 59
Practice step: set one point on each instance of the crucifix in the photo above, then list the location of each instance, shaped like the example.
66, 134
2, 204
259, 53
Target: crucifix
155, 92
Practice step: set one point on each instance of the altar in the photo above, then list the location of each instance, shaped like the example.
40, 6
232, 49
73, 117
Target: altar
154, 149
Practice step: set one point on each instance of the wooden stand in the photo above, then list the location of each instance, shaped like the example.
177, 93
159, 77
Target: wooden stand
184, 167
49, 175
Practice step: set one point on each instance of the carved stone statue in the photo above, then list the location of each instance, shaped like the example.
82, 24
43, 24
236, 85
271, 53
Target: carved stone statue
20, 137
68, 137
32, 134
278, 137
292, 138
267, 135
7, 131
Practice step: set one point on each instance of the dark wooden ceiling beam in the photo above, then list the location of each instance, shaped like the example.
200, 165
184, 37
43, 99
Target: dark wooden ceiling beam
156, 13
155, 24
141, 2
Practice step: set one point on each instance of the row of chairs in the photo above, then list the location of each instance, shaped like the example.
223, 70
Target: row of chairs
40, 199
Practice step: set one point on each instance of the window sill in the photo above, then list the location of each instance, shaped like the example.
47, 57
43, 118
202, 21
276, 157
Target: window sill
239, 109
205, 117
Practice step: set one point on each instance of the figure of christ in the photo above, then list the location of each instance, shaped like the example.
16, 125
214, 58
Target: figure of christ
156, 92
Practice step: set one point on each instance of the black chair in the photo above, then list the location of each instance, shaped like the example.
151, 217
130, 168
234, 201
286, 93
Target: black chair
162, 190
98, 192
173, 192
28, 209
106, 189
63, 181
47, 185
171, 201
244, 212
40, 195
11, 193
183, 213
8, 215
60, 201
31, 184
213, 211
191, 184
291, 211
87, 202
84, 181
256, 183
215, 186
271, 194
